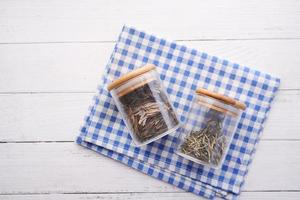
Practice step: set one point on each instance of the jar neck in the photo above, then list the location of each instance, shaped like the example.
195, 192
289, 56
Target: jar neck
135, 83
217, 105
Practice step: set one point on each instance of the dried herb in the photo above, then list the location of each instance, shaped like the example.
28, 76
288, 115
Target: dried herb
207, 144
149, 111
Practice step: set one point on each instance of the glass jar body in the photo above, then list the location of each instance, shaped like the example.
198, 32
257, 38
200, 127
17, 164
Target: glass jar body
208, 132
145, 108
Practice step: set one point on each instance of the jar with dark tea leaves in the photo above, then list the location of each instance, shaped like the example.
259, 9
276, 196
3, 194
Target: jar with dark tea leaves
209, 129
144, 105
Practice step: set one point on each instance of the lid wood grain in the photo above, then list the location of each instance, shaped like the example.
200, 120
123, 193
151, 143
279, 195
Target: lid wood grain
225, 99
130, 75
136, 86
217, 108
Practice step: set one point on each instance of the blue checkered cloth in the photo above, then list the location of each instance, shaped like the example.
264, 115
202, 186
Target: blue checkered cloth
181, 70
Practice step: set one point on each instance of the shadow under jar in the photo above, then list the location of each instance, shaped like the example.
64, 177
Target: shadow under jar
144, 105
211, 123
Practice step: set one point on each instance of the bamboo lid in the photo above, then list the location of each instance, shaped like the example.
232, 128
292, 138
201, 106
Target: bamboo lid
130, 75
217, 108
130, 89
223, 98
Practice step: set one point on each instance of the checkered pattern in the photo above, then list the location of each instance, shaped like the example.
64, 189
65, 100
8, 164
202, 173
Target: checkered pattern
199, 114
181, 70
198, 117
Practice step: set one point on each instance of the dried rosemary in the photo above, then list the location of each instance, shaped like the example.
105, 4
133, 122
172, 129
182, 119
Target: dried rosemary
207, 144
149, 111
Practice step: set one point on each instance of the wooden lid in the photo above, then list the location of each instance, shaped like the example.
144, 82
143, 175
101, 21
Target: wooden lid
134, 87
223, 98
217, 108
130, 75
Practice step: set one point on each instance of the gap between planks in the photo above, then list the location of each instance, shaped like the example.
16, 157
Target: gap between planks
71, 141
58, 117
91, 20
79, 92
175, 40
79, 67
148, 196
69, 168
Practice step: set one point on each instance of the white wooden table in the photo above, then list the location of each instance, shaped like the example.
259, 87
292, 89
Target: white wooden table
52, 54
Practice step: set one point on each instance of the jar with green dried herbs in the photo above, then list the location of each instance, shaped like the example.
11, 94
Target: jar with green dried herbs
211, 123
144, 105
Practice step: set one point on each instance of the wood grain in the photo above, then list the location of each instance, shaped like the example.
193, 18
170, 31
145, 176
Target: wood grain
52, 55
93, 20
58, 117
78, 67
69, 168
152, 196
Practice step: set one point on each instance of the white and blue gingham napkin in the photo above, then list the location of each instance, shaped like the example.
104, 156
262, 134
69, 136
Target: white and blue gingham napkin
181, 70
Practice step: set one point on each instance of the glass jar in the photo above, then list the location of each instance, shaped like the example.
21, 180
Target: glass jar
144, 105
209, 129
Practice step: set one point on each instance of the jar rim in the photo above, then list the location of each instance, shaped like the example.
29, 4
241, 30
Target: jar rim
228, 100
130, 75
130, 89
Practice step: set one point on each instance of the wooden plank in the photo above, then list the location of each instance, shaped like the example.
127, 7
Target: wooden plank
283, 119
42, 117
271, 195
52, 67
275, 159
150, 196
39, 21
78, 67
127, 196
68, 168
58, 117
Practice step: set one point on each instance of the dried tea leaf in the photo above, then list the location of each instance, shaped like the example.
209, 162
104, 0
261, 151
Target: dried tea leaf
143, 106
207, 144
